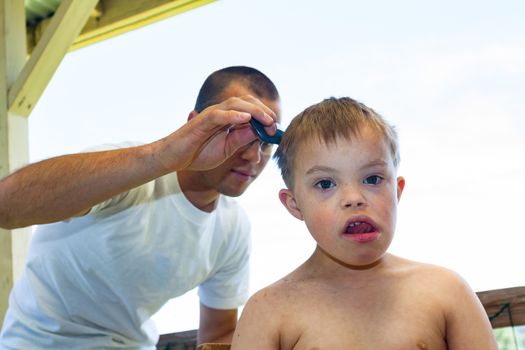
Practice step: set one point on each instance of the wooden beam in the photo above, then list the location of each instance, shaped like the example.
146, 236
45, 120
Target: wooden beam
114, 17
120, 16
504, 306
14, 151
63, 29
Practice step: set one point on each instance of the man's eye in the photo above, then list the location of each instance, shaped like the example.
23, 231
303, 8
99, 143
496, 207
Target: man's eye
325, 184
265, 147
373, 180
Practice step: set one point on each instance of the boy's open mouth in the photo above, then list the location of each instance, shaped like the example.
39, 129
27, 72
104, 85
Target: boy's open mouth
361, 230
357, 227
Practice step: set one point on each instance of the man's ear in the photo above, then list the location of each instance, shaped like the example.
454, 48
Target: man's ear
400, 186
192, 115
287, 198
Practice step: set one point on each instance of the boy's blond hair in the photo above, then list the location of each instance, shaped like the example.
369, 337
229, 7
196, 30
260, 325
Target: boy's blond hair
327, 121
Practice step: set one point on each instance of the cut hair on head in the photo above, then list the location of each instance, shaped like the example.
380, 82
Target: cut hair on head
254, 80
327, 121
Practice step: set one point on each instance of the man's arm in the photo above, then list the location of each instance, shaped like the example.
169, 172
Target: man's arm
62, 187
468, 327
216, 326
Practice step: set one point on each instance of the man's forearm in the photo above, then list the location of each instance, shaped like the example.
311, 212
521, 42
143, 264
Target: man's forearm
62, 187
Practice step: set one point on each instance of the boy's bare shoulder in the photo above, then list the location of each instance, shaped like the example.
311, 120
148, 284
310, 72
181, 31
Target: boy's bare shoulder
273, 304
445, 285
440, 276
266, 321
279, 293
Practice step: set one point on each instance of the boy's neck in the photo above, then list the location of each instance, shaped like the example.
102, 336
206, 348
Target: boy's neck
327, 264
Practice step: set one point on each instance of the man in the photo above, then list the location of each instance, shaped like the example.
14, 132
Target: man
133, 227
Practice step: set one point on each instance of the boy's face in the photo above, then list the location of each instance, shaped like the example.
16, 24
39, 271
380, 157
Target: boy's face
347, 194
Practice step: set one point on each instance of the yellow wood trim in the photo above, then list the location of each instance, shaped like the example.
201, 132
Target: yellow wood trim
63, 29
115, 17
121, 16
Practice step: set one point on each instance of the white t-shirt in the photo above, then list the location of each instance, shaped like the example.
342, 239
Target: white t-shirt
95, 281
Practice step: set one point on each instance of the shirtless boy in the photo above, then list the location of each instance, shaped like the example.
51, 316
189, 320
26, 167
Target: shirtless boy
339, 162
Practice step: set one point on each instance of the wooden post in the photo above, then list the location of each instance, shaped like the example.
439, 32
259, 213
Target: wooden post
22, 83
14, 151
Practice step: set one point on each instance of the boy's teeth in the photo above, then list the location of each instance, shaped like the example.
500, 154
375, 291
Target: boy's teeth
359, 227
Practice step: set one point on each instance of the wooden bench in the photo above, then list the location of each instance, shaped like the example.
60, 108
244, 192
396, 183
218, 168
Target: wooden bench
186, 341
210, 346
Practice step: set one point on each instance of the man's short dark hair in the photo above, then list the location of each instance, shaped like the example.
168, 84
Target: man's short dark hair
212, 88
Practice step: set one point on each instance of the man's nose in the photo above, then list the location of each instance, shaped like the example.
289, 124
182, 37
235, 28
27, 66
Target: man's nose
252, 153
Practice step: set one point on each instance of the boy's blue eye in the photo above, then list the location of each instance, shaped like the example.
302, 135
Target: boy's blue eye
373, 180
325, 184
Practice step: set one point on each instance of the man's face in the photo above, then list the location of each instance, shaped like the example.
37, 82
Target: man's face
347, 194
233, 176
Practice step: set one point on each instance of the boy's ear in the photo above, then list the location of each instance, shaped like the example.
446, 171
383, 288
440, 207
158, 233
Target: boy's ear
192, 115
400, 186
288, 200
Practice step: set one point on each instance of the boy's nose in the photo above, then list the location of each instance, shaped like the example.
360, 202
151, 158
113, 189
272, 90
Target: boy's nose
353, 198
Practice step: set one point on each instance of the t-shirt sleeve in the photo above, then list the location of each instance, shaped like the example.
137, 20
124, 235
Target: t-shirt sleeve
229, 287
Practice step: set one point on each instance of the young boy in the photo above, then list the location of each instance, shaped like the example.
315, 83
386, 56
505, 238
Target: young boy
339, 161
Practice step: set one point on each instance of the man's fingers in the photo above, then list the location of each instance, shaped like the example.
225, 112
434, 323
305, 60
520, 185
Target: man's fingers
253, 106
238, 138
213, 119
271, 130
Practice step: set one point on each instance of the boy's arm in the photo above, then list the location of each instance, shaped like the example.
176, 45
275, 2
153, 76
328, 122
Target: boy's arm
467, 324
258, 327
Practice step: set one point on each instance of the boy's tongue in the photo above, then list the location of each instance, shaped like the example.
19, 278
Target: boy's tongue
359, 227
362, 232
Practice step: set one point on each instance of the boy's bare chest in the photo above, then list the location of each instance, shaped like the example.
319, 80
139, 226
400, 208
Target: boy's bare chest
364, 320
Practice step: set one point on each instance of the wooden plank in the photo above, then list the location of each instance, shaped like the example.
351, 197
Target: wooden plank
179, 340
505, 307
186, 341
63, 29
14, 151
213, 346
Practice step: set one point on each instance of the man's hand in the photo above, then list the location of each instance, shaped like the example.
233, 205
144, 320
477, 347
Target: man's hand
212, 136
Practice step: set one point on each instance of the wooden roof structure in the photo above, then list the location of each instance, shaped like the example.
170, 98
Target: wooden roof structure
36, 35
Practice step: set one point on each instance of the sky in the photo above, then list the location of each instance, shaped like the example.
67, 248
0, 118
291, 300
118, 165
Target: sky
450, 75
